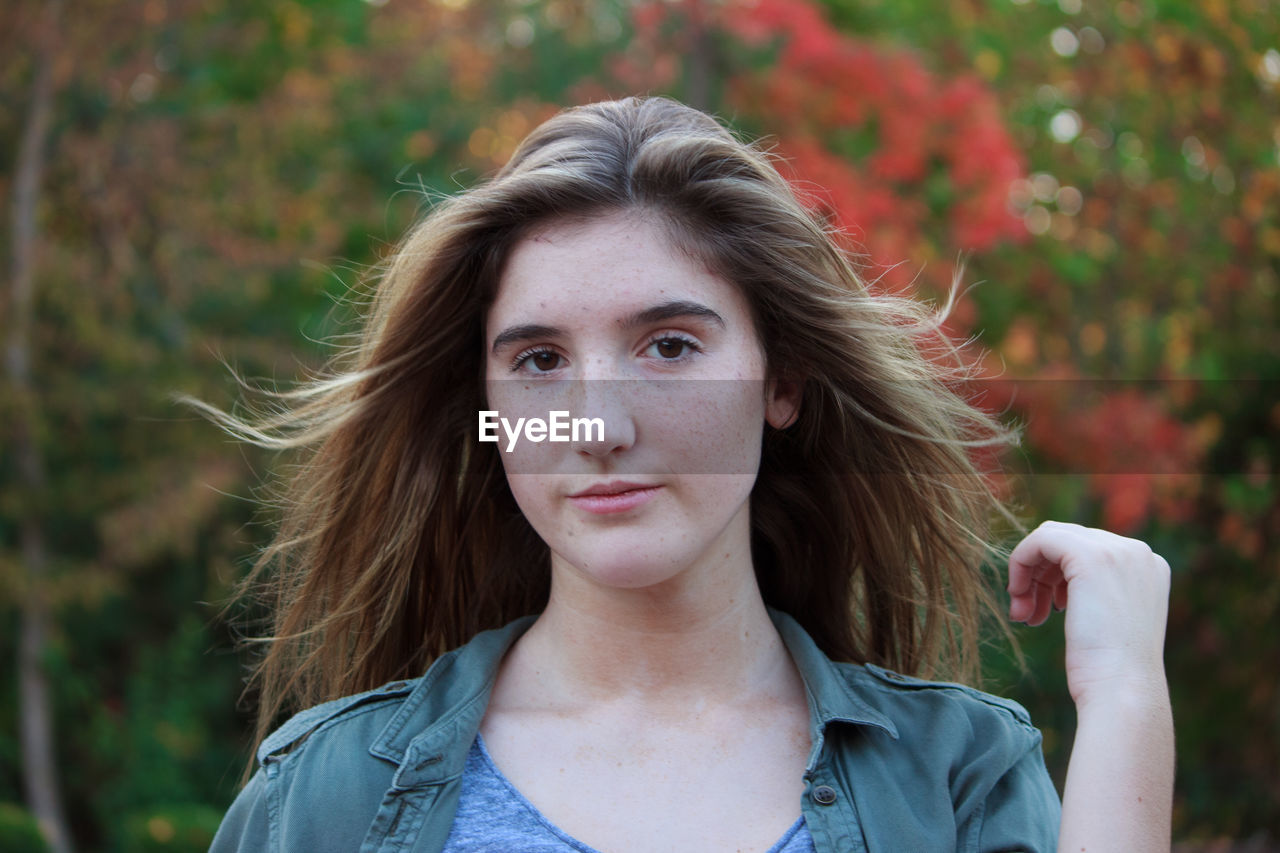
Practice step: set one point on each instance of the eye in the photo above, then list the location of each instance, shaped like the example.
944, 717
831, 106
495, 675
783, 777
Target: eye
669, 347
541, 360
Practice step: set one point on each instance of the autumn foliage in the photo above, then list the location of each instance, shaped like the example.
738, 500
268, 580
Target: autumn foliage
914, 168
219, 174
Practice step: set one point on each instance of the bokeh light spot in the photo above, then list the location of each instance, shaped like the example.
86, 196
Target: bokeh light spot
1037, 220
1070, 200
1064, 42
1065, 125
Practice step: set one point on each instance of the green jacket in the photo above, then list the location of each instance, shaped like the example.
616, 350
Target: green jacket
897, 763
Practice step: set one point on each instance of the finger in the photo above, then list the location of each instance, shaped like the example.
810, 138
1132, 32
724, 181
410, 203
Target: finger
1021, 607
1033, 606
1023, 588
1044, 604
1024, 580
1060, 596
1021, 577
1047, 544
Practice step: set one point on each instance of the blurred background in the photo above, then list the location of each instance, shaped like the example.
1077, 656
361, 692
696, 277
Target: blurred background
193, 181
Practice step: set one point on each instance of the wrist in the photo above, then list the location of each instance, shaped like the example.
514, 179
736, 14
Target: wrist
1137, 696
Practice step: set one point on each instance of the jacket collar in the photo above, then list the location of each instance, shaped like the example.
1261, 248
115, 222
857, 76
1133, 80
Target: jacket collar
430, 734
433, 729
832, 698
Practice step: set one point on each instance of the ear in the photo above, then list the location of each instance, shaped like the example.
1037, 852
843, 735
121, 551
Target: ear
781, 402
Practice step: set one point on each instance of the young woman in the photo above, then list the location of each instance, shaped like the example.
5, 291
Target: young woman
679, 617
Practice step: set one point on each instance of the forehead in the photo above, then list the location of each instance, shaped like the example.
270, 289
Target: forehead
597, 270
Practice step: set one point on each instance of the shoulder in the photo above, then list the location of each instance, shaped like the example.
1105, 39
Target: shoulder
958, 720
387, 718
908, 691
978, 752
318, 762
905, 709
348, 715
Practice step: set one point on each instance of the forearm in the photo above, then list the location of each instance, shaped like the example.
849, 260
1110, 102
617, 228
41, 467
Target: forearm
1119, 790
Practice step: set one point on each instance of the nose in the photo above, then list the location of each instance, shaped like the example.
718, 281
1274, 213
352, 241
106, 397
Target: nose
605, 407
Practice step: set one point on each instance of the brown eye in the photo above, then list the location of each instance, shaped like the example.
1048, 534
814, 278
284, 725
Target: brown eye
546, 360
671, 347
535, 360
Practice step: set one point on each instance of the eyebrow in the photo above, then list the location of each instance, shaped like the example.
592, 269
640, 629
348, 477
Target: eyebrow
675, 309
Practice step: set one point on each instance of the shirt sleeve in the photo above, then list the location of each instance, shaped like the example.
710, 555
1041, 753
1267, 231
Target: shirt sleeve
246, 825
1021, 813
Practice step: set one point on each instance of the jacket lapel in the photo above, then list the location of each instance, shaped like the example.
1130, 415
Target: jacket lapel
428, 739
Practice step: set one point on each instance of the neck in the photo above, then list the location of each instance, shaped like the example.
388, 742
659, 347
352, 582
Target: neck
704, 636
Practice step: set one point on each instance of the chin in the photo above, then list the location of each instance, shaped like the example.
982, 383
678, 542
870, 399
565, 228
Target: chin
625, 565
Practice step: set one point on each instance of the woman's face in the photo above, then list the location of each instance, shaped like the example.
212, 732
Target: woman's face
609, 321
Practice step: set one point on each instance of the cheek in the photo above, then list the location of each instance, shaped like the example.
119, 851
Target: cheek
522, 425
535, 496
709, 426
525, 490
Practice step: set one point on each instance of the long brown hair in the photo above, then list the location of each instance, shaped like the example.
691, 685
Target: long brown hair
871, 523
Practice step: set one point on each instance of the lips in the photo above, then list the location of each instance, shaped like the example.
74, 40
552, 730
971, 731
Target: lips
615, 497
615, 487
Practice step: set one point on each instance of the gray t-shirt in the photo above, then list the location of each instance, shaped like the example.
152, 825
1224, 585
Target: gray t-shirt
493, 817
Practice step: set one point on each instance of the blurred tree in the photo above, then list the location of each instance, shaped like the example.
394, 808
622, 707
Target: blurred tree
218, 179
40, 769
19, 831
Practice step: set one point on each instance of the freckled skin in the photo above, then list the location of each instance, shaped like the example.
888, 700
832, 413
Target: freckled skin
700, 439
652, 706
655, 609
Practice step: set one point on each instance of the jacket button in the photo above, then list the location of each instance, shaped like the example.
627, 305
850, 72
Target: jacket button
824, 795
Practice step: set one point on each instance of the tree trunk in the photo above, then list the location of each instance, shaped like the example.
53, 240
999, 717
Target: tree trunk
701, 62
39, 762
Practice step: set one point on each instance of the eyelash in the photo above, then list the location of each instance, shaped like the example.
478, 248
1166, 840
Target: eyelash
519, 361
690, 345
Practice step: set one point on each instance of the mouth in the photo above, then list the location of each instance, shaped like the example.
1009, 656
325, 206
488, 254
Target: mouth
614, 487
614, 497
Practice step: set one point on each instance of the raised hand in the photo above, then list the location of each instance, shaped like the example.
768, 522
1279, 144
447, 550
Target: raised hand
1118, 591
1115, 592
